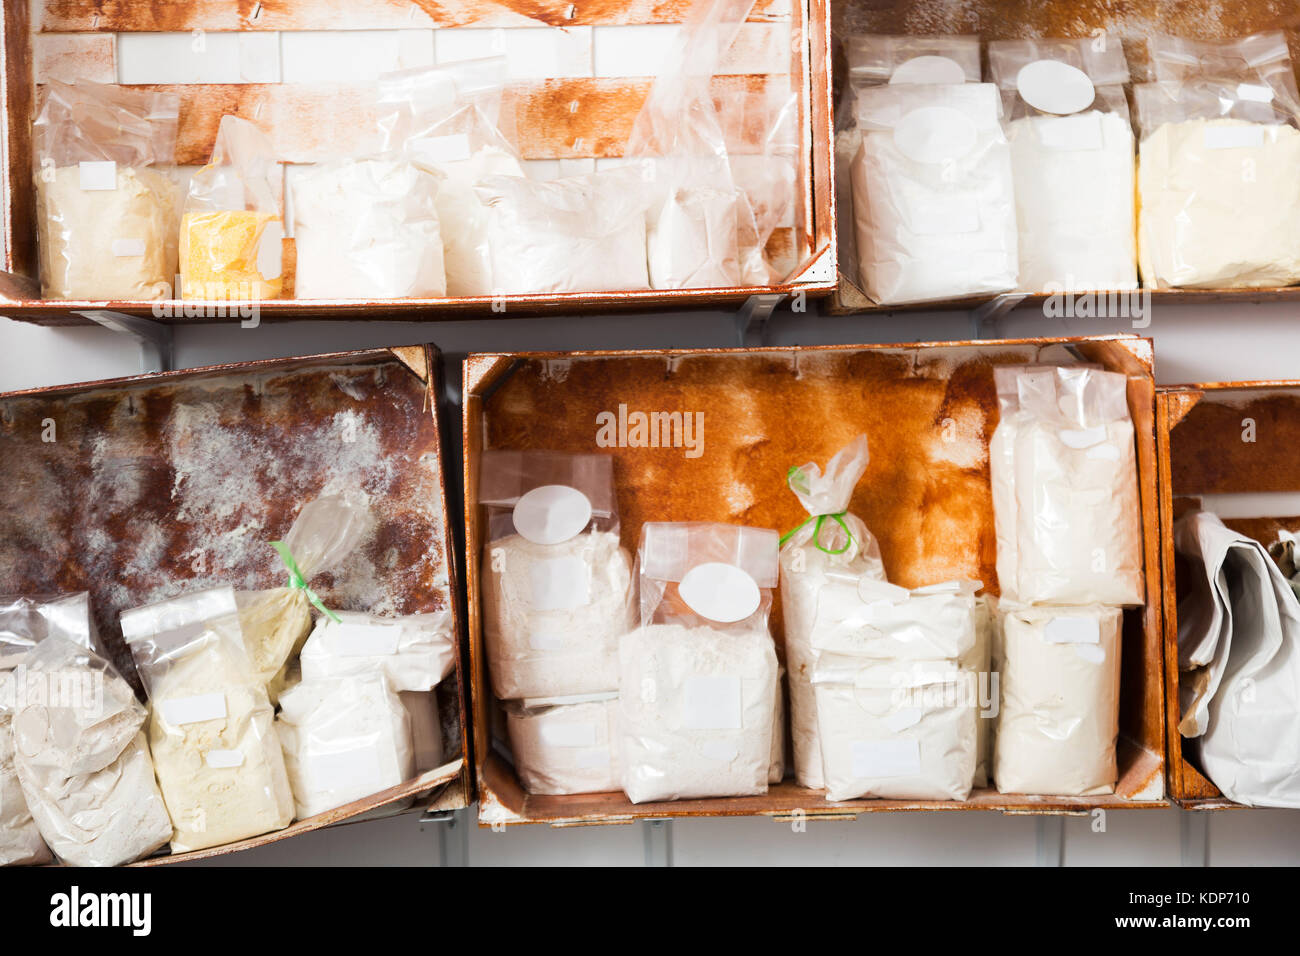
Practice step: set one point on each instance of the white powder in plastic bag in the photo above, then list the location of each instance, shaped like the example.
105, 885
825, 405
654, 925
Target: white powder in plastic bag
20, 840
415, 652
465, 221
692, 240
565, 744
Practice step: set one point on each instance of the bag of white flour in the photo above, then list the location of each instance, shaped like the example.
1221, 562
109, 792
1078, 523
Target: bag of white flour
565, 744
698, 679
1059, 719
557, 584
415, 651
825, 554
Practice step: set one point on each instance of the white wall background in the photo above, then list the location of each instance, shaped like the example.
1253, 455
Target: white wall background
1192, 344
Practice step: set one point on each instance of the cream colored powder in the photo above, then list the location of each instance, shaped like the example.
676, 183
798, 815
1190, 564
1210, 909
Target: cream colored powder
275, 625
1225, 217
20, 840
565, 745
215, 804
107, 244
1059, 718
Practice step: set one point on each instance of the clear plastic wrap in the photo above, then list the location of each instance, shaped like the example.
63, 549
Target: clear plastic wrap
1065, 494
82, 758
933, 200
1072, 161
1059, 718
874, 620
231, 244
106, 215
1219, 198
902, 730
344, 738
215, 749
831, 550
448, 119
557, 584
980, 661
565, 744
698, 679
415, 651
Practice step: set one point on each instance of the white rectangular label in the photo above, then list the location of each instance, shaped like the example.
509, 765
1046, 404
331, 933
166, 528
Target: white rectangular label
367, 640
942, 217
353, 771
592, 759
98, 177
560, 584
192, 710
886, 758
223, 759
128, 248
1071, 132
569, 735
712, 703
541, 639
441, 149
1234, 137
1255, 92
1072, 630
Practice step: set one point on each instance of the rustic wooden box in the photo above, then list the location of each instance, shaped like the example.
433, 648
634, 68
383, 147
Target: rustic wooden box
928, 411
567, 109
138, 489
1199, 429
1131, 21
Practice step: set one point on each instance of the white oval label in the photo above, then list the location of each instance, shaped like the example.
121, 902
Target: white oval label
935, 134
720, 592
552, 514
1055, 87
928, 69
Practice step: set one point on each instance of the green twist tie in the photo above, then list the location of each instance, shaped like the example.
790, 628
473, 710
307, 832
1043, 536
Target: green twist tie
817, 532
296, 580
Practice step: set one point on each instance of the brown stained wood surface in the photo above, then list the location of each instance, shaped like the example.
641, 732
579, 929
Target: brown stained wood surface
1208, 453
183, 15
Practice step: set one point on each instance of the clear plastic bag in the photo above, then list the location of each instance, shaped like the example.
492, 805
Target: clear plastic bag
698, 679
415, 651
344, 739
106, 215
215, 749
874, 620
830, 542
1059, 719
580, 234
82, 759
232, 233
448, 119
896, 730
1072, 161
1219, 198
933, 200
557, 584
565, 744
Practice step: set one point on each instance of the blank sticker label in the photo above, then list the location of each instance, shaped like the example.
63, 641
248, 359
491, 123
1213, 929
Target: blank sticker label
544, 640
98, 177
223, 759
569, 735
354, 771
1072, 630
592, 759
193, 710
950, 216
560, 584
1234, 137
128, 248
1071, 132
886, 758
712, 703
367, 640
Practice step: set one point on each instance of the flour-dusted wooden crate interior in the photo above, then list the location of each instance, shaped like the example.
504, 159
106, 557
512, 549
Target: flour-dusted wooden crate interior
1133, 22
1206, 460
302, 68
928, 411
160, 484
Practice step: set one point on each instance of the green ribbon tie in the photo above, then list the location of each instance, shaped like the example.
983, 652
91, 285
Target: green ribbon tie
838, 518
296, 580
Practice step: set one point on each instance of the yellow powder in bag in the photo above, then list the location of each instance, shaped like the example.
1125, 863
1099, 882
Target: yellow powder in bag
231, 254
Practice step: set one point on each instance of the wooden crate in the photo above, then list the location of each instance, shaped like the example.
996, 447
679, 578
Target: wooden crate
1132, 22
139, 489
1199, 430
928, 411
573, 97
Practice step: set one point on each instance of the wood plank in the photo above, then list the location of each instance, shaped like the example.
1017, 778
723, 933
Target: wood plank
69, 57
113, 16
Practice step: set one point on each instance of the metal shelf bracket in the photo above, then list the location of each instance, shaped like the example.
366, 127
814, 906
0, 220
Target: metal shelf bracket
157, 341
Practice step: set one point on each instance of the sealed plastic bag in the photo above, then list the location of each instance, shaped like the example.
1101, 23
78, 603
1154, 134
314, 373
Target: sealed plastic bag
557, 585
1219, 198
215, 749
580, 234
275, 623
933, 201
448, 119
1065, 493
232, 230
106, 214
900, 730
82, 758
829, 551
415, 651
1072, 161
344, 738
698, 679
565, 744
